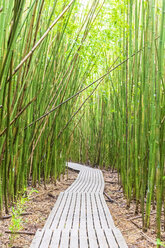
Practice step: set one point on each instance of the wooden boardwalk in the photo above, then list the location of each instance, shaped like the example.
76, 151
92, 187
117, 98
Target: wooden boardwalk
80, 217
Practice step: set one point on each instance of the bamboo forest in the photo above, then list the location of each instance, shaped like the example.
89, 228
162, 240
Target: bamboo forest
84, 81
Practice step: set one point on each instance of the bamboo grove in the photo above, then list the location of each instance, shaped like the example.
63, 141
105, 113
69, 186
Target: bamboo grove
50, 111
124, 122
39, 69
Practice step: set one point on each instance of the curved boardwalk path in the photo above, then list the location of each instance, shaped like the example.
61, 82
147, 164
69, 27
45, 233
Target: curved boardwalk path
80, 217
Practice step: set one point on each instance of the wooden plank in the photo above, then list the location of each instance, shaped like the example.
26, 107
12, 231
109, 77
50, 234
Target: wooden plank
75, 183
110, 237
92, 238
89, 182
104, 223
95, 182
81, 183
46, 239
84, 182
74, 239
76, 166
119, 237
102, 183
55, 241
77, 212
83, 212
63, 217
101, 238
59, 212
106, 212
74, 187
64, 239
89, 212
71, 212
100, 179
37, 239
95, 212
83, 238
54, 210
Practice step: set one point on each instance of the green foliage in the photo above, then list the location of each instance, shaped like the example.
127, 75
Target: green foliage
16, 220
160, 243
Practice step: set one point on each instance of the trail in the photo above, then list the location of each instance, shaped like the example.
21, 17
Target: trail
80, 217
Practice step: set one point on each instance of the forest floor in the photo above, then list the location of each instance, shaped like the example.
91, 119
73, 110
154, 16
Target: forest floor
40, 204
125, 219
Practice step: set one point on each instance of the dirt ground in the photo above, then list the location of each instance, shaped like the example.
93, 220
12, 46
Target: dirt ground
41, 203
125, 219
39, 208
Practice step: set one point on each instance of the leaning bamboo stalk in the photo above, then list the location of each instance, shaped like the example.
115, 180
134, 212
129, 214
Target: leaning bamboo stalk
42, 38
18, 115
